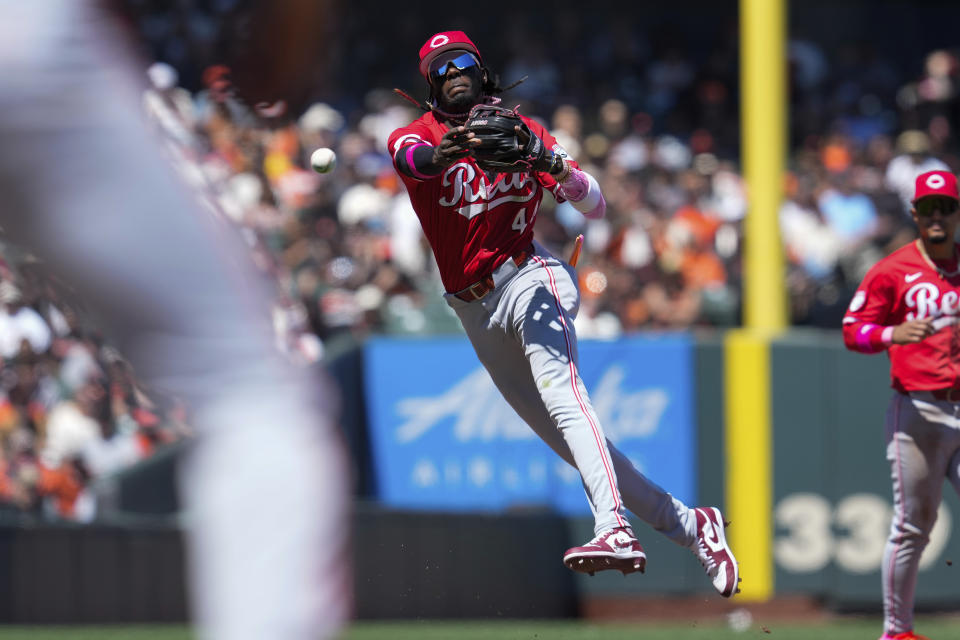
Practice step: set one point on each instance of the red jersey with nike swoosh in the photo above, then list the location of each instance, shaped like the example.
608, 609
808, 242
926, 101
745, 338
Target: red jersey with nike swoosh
473, 222
901, 287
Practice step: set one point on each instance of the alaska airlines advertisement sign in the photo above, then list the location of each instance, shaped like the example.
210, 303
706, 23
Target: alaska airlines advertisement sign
443, 437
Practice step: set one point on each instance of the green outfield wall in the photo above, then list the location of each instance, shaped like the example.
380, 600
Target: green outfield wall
825, 525
831, 499
832, 493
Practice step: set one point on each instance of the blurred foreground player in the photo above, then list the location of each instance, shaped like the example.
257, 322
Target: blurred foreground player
908, 304
517, 302
88, 189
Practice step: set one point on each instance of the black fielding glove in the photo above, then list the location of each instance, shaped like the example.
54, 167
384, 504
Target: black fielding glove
507, 145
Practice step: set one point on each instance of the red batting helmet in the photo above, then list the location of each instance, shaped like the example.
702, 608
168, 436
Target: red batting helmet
445, 41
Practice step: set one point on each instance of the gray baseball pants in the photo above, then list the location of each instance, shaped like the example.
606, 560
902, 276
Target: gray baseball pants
923, 448
523, 334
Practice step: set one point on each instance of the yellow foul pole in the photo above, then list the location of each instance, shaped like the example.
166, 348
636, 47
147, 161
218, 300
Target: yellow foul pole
747, 379
763, 60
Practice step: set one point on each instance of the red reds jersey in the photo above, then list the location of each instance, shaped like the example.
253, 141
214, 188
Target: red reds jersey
474, 222
901, 287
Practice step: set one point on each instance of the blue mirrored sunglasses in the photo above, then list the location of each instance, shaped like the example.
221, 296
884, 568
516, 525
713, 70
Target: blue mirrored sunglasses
462, 60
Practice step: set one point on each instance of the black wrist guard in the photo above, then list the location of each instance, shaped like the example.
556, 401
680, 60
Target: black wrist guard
557, 164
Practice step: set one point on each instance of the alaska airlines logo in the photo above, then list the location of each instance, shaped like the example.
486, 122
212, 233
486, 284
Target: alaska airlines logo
460, 178
480, 413
478, 409
926, 299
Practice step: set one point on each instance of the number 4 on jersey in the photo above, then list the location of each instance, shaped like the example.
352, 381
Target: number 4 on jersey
520, 222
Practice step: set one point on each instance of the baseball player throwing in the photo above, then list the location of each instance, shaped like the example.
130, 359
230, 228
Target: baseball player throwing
907, 304
517, 303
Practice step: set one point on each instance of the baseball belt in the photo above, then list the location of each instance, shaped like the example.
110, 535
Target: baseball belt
485, 285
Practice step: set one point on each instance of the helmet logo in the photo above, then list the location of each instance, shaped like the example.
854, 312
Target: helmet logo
936, 181
438, 41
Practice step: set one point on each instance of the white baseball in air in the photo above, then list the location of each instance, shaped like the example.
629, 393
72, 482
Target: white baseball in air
323, 160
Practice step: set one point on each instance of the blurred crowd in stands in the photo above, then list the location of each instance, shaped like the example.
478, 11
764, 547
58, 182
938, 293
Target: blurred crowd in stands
71, 409
650, 107
656, 122
349, 257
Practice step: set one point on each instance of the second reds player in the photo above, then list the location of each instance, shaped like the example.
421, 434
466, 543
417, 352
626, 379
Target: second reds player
517, 303
908, 305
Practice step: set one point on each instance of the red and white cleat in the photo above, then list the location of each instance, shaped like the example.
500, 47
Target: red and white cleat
714, 553
615, 549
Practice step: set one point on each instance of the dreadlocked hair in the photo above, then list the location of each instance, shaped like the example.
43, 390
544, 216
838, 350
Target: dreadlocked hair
488, 95
492, 85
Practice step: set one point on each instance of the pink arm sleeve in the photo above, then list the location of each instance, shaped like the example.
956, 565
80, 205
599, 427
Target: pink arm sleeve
867, 337
583, 192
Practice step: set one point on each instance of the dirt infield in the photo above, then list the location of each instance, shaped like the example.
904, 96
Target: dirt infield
705, 607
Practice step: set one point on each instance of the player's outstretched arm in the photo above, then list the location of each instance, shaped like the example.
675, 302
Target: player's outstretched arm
577, 186
423, 161
583, 192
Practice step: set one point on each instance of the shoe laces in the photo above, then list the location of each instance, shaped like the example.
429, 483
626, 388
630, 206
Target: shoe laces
704, 556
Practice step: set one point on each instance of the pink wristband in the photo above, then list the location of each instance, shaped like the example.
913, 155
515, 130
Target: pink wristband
872, 338
863, 337
574, 187
583, 192
887, 336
